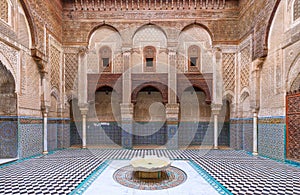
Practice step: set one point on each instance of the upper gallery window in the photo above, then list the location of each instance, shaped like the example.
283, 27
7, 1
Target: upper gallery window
149, 59
194, 58
105, 58
296, 10
4, 10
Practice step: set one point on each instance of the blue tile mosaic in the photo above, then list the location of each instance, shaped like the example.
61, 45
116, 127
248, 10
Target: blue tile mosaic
271, 138
149, 134
8, 138
172, 142
201, 133
241, 134
52, 136
30, 140
103, 133
127, 135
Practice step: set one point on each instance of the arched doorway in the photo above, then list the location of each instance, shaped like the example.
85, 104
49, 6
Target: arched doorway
104, 130
75, 125
195, 116
149, 117
224, 119
8, 112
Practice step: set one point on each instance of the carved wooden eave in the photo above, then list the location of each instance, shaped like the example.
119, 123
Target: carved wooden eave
113, 5
40, 59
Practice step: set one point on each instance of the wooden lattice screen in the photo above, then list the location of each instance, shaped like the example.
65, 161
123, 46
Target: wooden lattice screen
293, 125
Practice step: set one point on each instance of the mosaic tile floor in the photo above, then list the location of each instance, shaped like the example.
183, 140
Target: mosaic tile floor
63, 171
170, 178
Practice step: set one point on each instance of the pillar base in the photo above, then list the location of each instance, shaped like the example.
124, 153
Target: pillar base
83, 147
45, 152
255, 153
216, 147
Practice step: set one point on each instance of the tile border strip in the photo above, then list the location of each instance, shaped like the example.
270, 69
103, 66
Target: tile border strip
83, 186
212, 181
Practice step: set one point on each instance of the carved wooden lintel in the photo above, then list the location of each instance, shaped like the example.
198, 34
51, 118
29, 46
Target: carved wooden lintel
39, 59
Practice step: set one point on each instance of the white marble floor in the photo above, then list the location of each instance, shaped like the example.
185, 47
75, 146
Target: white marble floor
7, 160
194, 185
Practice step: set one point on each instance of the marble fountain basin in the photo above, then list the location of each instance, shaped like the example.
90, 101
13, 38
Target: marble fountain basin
150, 167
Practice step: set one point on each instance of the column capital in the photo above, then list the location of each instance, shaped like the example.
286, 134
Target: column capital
45, 110
216, 108
126, 108
83, 50
126, 51
172, 52
126, 111
255, 110
172, 112
84, 110
257, 63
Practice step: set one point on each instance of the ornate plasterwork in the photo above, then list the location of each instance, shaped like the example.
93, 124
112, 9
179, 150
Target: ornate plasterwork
229, 71
10, 55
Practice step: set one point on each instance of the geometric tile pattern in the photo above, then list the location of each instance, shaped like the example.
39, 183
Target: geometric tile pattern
241, 134
104, 134
62, 171
8, 139
169, 178
151, 133
271, 137
52, 136
31, 139
271, 140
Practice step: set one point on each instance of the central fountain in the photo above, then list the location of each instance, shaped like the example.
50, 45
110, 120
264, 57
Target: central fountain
150, 166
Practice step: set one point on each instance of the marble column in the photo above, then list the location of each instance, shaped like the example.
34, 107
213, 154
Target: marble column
45, 131
216, 108
255, 151
255, 98
84, 112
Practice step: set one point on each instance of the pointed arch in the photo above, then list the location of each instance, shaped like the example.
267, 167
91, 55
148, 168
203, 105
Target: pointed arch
269, 24
30, 21
149, 24
196, 24
111, 27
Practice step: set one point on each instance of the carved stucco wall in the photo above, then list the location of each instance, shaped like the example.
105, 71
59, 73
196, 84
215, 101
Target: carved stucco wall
195, 35
280, 67
104, 36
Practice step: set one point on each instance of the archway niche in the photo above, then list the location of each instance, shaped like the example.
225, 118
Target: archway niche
149, 116
8, 112
104, 129
195, 116
224, 121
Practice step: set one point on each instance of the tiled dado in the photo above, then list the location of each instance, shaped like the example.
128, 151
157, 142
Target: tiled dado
23, 136
241, 134
8, 137
271, 137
